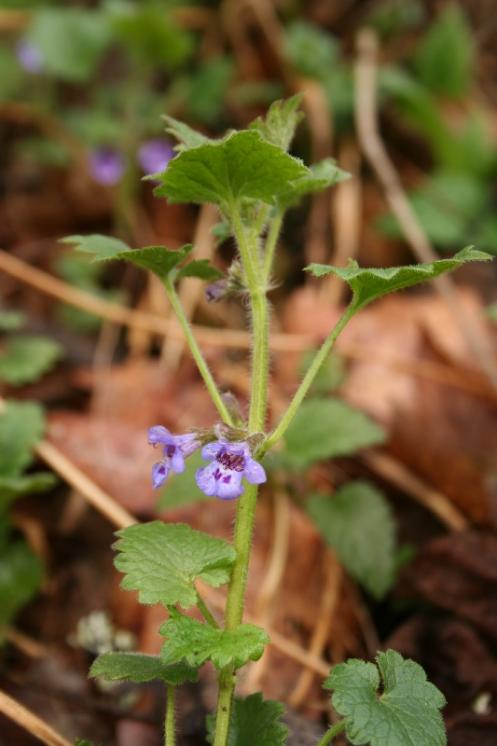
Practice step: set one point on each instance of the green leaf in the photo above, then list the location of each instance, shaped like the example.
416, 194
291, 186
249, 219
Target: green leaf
11, 320
162, 561
21, 427
20, 578
157, 259
25, 358
406, 712
326, 428
140, 668
310, 49
254, 720
70, 40
186, 136
321, 176
201, 268
281, 121
196, 642
444, 60
358, 524
242, 164
12, 487
370, 283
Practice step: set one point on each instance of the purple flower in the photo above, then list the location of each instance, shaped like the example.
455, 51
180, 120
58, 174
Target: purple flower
106, 166
216, 291
230, 463
29, 56
175, 448
154, 155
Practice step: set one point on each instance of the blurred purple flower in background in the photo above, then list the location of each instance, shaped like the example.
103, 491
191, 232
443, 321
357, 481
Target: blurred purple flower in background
154, 155
230, 463
29, 56
106, 166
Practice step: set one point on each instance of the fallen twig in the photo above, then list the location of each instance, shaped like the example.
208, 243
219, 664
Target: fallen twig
38, 728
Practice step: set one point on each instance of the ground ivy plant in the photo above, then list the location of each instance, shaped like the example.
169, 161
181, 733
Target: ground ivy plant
253, 180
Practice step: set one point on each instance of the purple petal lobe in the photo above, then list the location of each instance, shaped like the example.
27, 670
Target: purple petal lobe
29, 56
211, 450
205, 480
159, 474
254, 472
160, 434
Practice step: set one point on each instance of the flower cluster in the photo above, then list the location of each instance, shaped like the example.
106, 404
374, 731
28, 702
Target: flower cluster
231, 462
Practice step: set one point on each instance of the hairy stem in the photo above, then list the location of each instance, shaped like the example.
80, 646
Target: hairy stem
309, 377
331, 733
197, 354
248, 243
169, 724
271, 243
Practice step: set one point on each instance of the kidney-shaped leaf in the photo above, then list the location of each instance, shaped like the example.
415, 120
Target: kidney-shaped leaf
242, 164
407, 711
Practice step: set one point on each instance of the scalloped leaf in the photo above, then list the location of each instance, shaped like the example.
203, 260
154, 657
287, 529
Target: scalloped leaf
407, 711
157, 259
370, 283
240, 165
26, 358
196, 642
139, 668
254, 720
162, 561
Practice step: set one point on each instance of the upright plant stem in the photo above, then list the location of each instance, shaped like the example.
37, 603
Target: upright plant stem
197, 354
169, 723
245, 516
309, 377
271, 243
331, 733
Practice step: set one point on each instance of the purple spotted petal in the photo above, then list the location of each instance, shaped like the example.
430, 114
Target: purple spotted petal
160, 434
205, 479
159, 474
254, 472
229, 486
